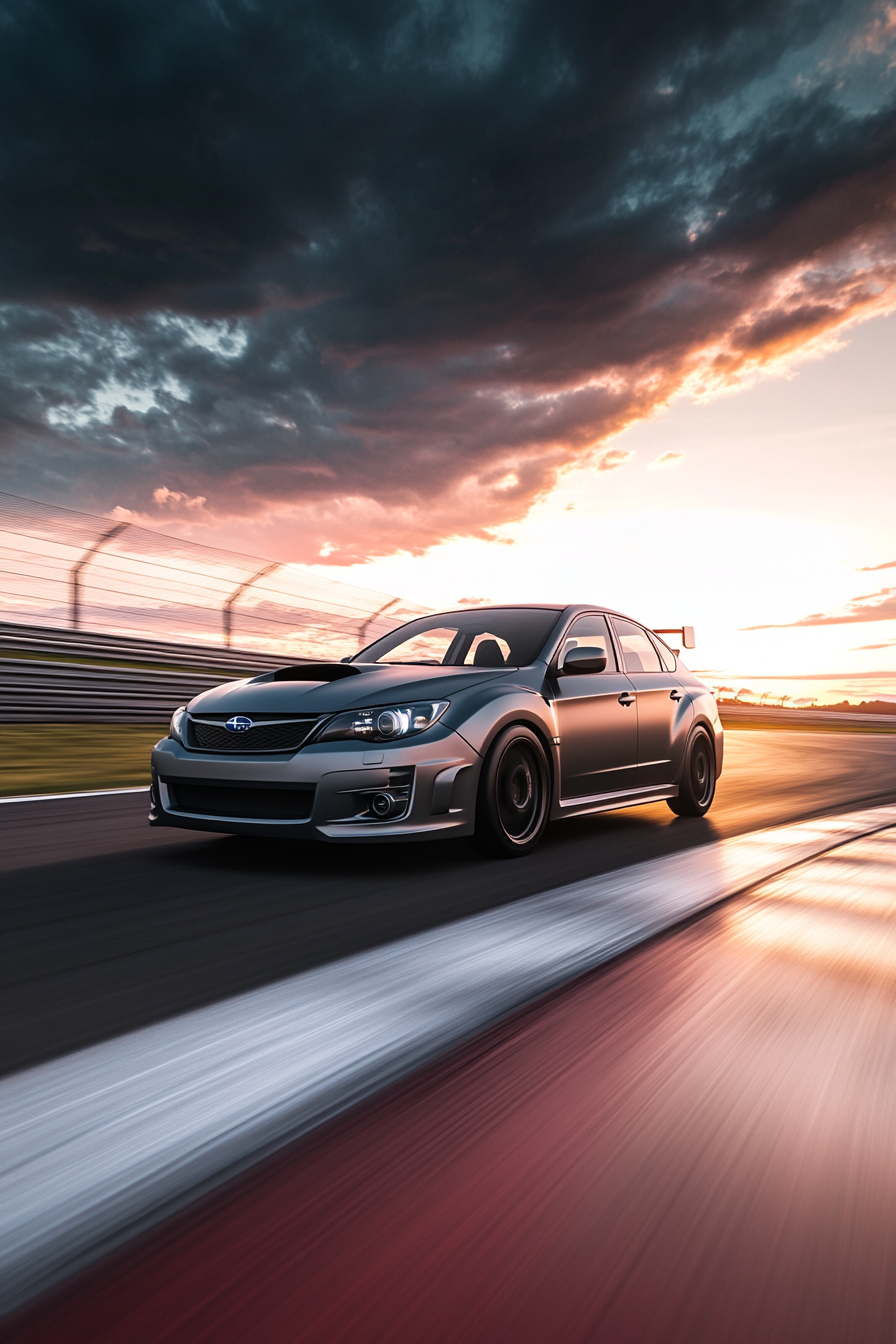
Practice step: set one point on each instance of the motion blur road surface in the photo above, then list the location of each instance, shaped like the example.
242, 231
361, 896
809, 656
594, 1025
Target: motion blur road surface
692, 1145
109, 926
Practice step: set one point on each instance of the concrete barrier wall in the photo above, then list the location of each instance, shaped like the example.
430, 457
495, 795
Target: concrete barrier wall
732, 715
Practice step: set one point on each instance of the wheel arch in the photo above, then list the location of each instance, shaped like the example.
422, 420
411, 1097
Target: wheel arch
715, 736
518, 718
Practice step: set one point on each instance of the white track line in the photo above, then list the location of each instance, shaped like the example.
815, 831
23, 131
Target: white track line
111, 1138
55, 797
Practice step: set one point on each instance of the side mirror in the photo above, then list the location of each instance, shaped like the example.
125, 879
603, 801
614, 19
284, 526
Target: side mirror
582, 660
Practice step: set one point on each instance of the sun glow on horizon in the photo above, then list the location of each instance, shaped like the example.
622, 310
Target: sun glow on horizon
778, 505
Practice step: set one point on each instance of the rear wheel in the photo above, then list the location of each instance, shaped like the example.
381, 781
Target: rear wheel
513, 802
698, 778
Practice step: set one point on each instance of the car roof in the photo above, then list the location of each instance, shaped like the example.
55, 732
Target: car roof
502, 606
529, 606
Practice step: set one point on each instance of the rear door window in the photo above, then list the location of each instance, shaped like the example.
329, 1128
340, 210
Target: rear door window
638, 651
667, 657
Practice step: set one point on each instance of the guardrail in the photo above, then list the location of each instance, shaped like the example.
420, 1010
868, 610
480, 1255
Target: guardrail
39, 691
801, 718
83, 644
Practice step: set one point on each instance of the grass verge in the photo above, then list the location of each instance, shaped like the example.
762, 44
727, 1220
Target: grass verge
70, 757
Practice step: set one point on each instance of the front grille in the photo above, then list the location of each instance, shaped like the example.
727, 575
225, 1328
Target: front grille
292, 803
284, 735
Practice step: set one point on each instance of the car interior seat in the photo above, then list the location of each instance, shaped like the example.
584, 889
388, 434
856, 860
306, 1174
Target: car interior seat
488, 654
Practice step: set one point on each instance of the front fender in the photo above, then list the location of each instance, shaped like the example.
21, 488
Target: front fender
502, 707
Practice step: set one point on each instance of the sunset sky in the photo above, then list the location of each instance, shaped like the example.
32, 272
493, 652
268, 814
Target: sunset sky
474, 300
768, 506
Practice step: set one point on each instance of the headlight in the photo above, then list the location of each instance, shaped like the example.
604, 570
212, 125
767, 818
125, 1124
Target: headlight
385, 724
177, 724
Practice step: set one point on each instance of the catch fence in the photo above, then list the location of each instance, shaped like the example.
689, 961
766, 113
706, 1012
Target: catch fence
67, 570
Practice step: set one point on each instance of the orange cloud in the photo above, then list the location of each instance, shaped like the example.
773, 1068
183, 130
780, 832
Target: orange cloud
879, 606
611, 459
878, 35
174, 498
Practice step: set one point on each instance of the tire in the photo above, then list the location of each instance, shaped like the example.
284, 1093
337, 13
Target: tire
514, 795
698, 778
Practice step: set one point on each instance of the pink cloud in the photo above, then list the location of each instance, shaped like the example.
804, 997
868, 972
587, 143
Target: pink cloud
879, 606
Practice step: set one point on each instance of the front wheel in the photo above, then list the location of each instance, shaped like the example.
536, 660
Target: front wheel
513, 802
698, 778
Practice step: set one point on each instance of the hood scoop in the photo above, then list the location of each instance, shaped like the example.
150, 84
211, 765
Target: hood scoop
311, 672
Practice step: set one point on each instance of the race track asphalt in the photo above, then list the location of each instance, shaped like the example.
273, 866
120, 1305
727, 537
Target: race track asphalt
693, 1144
109, 926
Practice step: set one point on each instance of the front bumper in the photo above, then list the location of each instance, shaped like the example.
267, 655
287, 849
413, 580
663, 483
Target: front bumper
333, 782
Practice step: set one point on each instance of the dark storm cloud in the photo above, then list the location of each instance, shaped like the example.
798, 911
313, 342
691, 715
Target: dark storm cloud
174, 152
423, 255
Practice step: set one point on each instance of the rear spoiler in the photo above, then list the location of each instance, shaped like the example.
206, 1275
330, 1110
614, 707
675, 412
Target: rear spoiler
686, 632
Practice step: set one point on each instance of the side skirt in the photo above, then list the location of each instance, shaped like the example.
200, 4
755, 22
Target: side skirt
609, 802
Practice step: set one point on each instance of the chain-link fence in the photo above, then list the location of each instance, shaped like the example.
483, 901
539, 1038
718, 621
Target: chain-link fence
72, 570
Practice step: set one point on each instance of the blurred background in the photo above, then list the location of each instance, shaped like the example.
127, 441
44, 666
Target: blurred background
106, 622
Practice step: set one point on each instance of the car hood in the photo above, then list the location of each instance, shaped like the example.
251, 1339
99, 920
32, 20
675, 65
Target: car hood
372, 686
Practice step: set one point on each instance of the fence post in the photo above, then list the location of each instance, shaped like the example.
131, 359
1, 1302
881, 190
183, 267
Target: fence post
75, 575
362, 633
237, 593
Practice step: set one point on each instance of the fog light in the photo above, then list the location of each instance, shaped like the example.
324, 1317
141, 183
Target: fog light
384, 805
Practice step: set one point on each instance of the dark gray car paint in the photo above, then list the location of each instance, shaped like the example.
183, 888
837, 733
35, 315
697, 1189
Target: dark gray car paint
585, 729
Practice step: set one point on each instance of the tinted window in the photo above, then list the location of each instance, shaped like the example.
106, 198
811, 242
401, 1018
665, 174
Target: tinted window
488, 637
488, 650
589, 632
667, 657
638, 653
426, 646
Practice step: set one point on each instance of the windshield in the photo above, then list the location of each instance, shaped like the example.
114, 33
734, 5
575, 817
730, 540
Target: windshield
488, 637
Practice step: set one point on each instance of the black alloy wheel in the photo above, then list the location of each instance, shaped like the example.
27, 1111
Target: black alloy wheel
513, 803
698, 778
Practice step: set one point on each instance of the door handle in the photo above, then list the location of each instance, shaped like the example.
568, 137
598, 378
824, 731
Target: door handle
626, 699
675, 695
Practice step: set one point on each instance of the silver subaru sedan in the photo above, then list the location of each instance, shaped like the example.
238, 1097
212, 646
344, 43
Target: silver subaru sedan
485, 723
